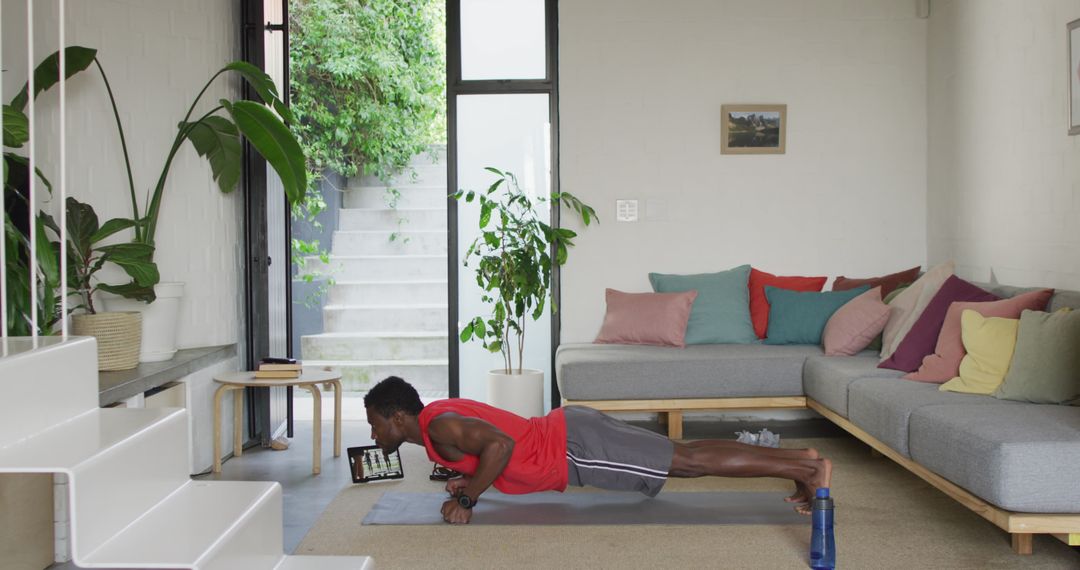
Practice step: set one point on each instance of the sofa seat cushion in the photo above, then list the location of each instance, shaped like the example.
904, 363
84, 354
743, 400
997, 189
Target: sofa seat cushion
625, 372
1021, 458
826, 378
882, 407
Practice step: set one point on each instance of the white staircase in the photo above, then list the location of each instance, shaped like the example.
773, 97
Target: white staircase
132, 504
386, 313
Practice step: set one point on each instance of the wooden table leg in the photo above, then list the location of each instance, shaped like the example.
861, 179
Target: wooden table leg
316, 428
218, 394
337, 418
238, 421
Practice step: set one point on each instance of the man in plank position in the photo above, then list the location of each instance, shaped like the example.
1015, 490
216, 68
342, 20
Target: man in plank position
572, 445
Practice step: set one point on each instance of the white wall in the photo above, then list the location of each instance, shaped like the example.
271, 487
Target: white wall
1004, 179
158, 54
641, 84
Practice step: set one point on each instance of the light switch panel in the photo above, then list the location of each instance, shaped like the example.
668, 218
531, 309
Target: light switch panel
626, 210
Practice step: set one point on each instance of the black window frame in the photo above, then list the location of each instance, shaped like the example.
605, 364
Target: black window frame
455, 86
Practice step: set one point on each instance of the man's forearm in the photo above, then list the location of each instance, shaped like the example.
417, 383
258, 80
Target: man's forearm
493, 459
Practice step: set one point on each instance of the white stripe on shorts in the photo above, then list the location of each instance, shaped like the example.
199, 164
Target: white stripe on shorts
620, 467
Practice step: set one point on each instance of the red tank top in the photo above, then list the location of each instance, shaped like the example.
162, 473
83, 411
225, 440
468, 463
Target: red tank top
538, 462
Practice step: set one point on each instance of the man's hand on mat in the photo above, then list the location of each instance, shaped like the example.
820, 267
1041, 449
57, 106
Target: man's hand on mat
454, 486
454, 513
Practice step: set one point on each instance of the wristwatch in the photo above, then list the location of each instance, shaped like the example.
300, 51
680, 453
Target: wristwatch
466, 501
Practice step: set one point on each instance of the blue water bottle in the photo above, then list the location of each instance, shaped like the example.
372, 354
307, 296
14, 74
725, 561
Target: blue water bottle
822, 543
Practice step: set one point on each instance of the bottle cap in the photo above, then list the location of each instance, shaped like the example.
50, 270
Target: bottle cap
823, 493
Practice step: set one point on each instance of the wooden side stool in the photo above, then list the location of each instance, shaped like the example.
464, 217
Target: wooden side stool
308, 380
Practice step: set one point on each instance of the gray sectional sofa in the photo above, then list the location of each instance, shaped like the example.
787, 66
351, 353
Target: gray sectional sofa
1016, 464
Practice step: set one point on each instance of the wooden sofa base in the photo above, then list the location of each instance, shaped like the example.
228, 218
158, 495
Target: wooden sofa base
1021, 526
671, 411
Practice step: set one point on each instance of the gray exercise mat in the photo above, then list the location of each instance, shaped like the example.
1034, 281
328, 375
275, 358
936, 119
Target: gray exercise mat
607, 508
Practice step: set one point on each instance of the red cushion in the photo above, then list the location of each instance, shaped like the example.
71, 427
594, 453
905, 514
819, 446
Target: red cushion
759, 305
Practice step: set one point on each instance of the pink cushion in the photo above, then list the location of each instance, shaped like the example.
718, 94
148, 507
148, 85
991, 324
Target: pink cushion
944, 364
855, 325
921, 339
646, 318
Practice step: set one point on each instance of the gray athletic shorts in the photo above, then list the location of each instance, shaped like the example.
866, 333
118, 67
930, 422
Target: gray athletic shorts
604, 452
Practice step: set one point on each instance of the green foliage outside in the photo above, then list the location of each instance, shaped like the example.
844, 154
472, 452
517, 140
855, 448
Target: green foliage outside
368, 85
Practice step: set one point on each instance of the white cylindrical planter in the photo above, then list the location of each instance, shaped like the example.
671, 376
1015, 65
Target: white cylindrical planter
159, 320
522, 394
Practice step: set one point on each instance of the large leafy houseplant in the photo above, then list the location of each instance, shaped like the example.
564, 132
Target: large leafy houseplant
215, 134
513, 261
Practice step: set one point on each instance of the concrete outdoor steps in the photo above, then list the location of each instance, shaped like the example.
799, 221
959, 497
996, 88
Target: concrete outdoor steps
429, 377
353, 219
385, 318
386, 312
422, 175
428, 292
130, 500
408, 196
382, 267
376, 345
383, 242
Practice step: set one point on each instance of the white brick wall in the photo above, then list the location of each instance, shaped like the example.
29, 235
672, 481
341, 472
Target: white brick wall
1004, 176
641, 85
158, 55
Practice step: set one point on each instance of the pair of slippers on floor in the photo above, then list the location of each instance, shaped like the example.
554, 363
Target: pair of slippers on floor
440, 473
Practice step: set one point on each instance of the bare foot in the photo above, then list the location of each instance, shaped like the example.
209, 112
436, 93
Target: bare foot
821, 478
802, 494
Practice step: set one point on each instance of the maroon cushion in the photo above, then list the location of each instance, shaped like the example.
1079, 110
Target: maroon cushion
922, 338
887, 282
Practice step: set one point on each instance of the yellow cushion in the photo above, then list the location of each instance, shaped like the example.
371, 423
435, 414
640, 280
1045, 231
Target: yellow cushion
989, 342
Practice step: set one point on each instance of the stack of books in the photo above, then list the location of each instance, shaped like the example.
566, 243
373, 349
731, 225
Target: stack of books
279, 368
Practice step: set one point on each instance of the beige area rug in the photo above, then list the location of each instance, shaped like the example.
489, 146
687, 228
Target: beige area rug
886, 518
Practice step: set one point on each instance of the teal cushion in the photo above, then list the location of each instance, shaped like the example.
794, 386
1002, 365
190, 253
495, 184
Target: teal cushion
800, 316
721, 312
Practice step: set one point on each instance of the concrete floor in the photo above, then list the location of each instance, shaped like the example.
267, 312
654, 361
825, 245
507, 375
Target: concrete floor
306, 495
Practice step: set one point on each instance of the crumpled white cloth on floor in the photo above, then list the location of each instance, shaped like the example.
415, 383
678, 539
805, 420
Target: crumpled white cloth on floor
764, 438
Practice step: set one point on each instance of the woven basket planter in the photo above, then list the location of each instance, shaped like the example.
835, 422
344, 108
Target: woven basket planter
119, 337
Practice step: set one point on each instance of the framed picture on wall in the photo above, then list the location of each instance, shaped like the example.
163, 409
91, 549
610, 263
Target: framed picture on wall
753, 129
1074, 77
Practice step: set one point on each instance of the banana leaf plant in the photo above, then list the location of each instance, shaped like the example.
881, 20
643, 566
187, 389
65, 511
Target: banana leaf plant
216, 135
513, 258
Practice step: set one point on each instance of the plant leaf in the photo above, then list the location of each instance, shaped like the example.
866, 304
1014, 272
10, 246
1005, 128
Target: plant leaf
130, 291
47, 73
26, 163
47, 258
136, 260
82, 223
274, 142
466, 332
16, 127
264, 86
111, 227
217, 139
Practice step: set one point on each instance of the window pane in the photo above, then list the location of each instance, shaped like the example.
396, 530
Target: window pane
508, 132
502, 39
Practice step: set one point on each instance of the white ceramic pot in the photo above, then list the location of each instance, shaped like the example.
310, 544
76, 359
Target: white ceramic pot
159, 320
522, 394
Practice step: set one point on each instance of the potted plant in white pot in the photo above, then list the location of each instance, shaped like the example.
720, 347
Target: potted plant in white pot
216, 135
118, 333
513, 258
